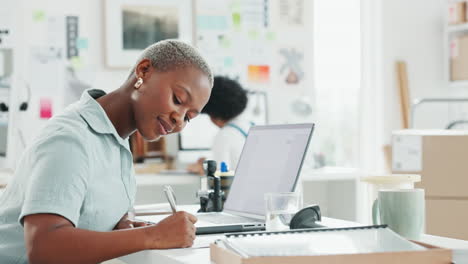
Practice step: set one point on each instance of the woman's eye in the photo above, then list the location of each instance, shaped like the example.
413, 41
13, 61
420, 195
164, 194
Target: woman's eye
176, 100
187, 119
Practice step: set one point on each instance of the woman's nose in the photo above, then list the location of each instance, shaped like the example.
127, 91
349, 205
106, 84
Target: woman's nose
177, 119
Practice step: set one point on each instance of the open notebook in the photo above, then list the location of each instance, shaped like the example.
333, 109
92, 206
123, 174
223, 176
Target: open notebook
312, 242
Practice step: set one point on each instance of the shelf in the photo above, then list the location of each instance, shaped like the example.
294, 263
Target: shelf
331, 174
457, 28
458, 83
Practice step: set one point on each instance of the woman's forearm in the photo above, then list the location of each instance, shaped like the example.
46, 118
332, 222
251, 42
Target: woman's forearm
53, 239
72, 245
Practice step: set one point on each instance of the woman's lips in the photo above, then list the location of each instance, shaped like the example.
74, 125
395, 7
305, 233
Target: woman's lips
167, 128
161, 129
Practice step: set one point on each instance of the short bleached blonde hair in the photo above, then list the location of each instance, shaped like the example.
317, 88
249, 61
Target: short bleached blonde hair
167, 55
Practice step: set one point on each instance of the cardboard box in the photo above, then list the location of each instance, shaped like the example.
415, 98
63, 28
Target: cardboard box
456, 12
459, 58
433, 255
466, 11
448, 218
439, 156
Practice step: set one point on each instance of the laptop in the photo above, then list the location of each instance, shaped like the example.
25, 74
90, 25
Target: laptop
270, 161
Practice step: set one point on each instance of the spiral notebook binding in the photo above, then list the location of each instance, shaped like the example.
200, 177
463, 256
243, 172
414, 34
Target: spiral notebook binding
305, 230
318, 241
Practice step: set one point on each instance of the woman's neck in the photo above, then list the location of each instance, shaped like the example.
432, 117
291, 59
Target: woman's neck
218, 122
117, 106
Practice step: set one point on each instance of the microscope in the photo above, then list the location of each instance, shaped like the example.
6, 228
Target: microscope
211, 200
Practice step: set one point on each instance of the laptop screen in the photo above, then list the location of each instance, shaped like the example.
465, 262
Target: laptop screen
271, 161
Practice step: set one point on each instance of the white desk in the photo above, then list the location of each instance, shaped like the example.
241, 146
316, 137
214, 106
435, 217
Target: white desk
202, 255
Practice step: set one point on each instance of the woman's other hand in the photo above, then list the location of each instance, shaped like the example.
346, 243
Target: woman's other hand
197, 167
127, 222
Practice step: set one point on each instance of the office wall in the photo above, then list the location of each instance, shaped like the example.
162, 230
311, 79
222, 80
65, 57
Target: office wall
91, 15
413, 31
30, 34
95, 72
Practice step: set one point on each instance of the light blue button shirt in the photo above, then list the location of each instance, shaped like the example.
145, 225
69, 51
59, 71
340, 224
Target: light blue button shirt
78, 167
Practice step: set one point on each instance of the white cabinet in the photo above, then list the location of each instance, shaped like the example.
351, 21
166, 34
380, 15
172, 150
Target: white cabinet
339, 193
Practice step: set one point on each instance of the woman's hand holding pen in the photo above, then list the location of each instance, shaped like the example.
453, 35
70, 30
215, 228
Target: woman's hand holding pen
175, 231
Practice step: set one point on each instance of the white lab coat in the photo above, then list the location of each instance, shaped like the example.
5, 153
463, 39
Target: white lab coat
229, 141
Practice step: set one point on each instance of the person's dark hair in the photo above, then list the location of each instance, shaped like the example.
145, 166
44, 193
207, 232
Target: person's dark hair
228, 99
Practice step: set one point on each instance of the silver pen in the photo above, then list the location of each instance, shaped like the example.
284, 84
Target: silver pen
170, 198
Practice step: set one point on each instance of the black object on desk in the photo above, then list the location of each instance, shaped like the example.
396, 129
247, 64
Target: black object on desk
212, 200
306, 218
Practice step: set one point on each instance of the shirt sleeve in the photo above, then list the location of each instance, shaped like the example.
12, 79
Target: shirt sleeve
58, 177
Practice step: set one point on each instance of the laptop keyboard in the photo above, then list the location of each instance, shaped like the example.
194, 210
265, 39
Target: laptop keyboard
225, 219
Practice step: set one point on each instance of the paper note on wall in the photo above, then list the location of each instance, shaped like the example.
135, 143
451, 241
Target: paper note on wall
255, 13
211, 22
82, 43
224, 41
76, 63
38, 15
228, 61
407, 153
236, 20
270, 36
45, 108
253, 34
258, 73
291, 12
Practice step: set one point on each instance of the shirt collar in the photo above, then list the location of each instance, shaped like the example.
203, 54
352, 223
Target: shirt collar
241, 122
93, 113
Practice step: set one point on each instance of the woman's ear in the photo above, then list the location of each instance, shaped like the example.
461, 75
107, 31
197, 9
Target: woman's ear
142, 69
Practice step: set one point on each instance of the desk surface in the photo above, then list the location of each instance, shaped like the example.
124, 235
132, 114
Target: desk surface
200, 253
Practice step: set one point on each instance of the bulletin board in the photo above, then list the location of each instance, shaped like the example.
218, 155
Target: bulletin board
264, 45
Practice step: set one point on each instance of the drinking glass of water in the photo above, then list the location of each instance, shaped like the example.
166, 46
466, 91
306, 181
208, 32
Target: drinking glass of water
280, 209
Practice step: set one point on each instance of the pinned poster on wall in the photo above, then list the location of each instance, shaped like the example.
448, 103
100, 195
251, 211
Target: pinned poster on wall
258, 73
45, 108
291, 70
212, 22
254, 13
289, 13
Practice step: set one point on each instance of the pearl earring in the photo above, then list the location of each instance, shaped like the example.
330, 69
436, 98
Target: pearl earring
138, 83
